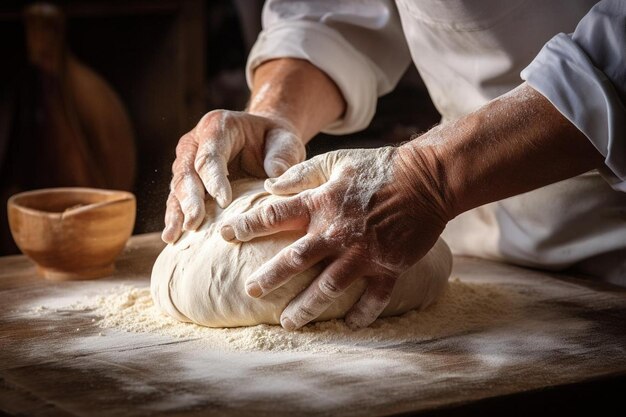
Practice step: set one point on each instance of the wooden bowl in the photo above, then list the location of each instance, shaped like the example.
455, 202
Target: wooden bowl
72, 233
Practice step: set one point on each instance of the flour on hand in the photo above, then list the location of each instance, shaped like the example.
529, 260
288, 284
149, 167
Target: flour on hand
201, 278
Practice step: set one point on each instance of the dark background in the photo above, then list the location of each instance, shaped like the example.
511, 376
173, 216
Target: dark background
171, 62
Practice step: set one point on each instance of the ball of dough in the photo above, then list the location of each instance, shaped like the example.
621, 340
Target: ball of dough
201, 278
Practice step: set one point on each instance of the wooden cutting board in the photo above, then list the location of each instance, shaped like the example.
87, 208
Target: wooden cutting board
571, 332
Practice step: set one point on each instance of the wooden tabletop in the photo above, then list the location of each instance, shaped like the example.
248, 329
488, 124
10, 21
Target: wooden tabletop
571, 332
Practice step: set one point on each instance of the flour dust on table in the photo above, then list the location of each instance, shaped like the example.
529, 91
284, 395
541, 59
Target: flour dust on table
201, 278
462, 308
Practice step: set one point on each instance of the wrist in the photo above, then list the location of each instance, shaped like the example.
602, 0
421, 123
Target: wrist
421, 172
511, 145
277, 119
446, 155
297, 93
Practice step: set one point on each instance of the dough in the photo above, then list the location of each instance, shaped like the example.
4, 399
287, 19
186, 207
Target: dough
201, 278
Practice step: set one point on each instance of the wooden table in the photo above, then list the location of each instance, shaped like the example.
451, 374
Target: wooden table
573, 333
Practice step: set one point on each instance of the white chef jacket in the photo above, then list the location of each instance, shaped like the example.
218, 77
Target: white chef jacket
469, 52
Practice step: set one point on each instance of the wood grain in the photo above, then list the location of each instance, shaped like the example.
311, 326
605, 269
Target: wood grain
572, 331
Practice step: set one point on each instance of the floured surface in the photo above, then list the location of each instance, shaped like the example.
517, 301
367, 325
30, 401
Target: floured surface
464, 307
57, 356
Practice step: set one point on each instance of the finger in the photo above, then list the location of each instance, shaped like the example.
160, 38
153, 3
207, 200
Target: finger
313, 301
371, 304
188, 189
173, 220
283, 150
289, 262
304, 176
267, 219
212, 168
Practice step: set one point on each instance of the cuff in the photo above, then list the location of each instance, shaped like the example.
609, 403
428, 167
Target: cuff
354, 74
565, 75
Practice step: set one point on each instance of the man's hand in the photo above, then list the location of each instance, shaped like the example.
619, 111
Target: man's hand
290, 103
367, 214
254, 145
373, 213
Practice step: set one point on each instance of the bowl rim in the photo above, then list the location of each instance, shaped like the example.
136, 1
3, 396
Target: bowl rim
124, 196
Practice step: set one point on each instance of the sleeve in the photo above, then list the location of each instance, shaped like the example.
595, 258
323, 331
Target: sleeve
359, 45
584, 77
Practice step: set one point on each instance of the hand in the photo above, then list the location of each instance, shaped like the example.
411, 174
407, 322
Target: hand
291, 101
368, 214
253, 145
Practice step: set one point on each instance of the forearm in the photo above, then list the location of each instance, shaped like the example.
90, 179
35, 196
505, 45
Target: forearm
592, 59
298, 92
512, 145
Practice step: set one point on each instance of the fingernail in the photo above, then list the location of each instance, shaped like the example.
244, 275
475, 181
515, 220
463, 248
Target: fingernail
254, 290
221, 201
287, 324
228, 233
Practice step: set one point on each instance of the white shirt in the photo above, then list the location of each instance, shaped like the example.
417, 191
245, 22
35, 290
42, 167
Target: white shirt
469, 52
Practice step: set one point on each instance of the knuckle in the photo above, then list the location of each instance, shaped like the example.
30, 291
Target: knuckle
271, 215
318, 159
330, 288
183, 165
283, 140
175, 184
194, 218
296, 257
305, 313
176, 165
173, 220
172, 202
305, 200
227, 120
201, 161
206, 157
215, 122
244, 226
173, 214
326, 200
186, 144
210, 118
359, 250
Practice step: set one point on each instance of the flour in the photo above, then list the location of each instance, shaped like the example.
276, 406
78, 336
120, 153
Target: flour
464, 308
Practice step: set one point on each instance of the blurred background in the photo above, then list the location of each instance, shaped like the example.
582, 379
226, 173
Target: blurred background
97, 93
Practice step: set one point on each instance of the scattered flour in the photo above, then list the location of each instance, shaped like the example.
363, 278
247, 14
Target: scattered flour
464, 308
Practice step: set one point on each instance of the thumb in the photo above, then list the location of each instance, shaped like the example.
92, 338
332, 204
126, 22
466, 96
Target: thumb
304, 176
283, 149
